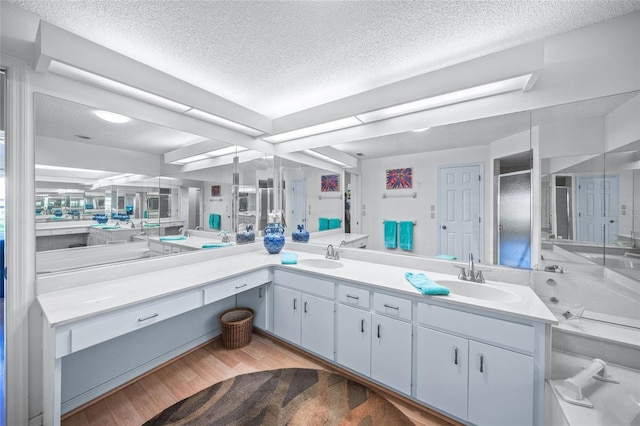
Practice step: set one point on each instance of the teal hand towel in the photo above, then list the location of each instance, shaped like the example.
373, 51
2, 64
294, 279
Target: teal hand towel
110, 227
425, 285
173, 238
323, 224
289, 258
446, 257
406, 235
334, 223
215, 245
150, 225
390, 234
214, 221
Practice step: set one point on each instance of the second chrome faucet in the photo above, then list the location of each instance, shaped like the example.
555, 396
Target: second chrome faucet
471, 274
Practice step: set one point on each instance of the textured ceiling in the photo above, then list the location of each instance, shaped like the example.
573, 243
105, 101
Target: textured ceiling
278, 57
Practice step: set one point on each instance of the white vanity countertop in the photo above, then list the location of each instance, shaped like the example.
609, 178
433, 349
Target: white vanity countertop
69, 305
63, 224
194, 242
335, 239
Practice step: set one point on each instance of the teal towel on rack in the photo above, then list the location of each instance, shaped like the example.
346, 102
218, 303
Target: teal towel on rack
334, 223
406, 235
289, 258
214, 221
215, 245
390, 234
323, 224
425, 285
446, 257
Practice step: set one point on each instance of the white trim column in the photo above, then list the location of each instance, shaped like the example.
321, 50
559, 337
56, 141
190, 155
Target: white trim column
20, 239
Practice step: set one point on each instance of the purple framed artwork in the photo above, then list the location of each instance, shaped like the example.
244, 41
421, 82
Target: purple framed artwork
215, 191
330, 183
400, 178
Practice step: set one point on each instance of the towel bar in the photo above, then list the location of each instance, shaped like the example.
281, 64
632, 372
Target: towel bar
400, 195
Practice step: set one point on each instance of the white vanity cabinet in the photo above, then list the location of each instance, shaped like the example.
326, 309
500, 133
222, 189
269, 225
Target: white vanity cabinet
375, 345
304, 311
472, 380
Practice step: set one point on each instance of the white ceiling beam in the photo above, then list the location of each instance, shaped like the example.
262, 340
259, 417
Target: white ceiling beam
331, 152
53, 43
312, 161
499, 66
194, 149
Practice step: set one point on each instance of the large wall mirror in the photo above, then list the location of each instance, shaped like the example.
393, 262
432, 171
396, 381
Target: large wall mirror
590, 195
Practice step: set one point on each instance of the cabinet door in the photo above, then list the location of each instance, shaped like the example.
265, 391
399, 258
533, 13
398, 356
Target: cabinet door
500, 386
317, 325
354, 339
391, 352
256, 299
287, 314
442, 370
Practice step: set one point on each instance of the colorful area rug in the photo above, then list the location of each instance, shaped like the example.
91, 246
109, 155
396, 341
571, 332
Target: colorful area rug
290, 396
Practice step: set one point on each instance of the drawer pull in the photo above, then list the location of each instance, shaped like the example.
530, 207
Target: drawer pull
260, 293
481, 363
240, 286
391, 307
305, 307
378, 331
294, 303
147, 318
455, 355
362, 326
349, 296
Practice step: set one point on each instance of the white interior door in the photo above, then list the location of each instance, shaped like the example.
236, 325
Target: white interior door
459, 196
299, 203
597, 209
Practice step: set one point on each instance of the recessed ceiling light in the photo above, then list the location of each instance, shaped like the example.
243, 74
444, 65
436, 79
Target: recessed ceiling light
112, 117
421, 130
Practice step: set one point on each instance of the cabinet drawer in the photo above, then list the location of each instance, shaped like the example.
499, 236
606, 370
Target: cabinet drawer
230, 287
115, 324
392, 305
517, 336
305, 283
353, 296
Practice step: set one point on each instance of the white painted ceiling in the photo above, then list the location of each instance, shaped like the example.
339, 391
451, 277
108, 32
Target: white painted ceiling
278, 57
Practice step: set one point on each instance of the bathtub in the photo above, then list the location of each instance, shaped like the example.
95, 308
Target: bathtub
613, 404
628, 266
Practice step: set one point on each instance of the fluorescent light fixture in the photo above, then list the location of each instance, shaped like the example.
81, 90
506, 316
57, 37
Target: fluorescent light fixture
329, 126
325, 158
123, 175
112, 117
114, 86
211, 154
68, 169
499, 87
421, 130
202, 115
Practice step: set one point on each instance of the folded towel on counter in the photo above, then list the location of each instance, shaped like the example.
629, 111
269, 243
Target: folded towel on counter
446, 257
110, 227
289, 258
424, 285
406, 235
173, 238
390, 234
323, 224
150, 225
215, 245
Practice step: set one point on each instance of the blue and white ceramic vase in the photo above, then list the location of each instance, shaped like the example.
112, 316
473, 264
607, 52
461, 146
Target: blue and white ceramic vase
301, 235
273, 238
248, 236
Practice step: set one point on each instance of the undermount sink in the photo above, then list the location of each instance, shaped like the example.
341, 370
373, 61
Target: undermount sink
479, 291
321, 263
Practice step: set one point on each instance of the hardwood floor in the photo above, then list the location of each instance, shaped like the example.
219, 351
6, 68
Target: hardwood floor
142, 399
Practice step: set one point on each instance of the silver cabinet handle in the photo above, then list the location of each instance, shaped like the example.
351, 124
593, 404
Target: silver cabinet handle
294, 303
362, 325
240, 286
260, 293
148, 318
378, 331
391, 307
352, 297
305, 307
455, 355
481, 363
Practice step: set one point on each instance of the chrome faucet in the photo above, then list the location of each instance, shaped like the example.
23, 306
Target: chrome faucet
470, 275
225, 236
185, 232
332, 253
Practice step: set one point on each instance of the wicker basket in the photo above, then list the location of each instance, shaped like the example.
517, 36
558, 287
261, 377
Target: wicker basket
237, 324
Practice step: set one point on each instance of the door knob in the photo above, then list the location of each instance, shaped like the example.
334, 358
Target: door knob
444, 226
